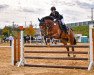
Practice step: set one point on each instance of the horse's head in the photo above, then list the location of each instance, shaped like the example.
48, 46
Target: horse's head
41, 22
42, 26
46, 24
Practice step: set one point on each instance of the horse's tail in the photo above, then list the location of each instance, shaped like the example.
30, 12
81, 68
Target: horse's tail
74, 41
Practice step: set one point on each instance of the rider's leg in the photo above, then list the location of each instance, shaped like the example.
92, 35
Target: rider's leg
62, 20
63, 26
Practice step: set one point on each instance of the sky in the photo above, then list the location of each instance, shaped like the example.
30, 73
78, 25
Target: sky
28, 11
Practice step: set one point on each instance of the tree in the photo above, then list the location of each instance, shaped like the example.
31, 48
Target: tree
84, 30
7, 31
30, 30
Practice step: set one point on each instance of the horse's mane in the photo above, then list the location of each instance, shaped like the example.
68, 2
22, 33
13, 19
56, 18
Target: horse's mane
48, 18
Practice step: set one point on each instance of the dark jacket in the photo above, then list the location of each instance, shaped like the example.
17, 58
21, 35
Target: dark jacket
56, 15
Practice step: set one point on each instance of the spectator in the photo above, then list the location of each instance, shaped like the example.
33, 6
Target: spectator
10, 39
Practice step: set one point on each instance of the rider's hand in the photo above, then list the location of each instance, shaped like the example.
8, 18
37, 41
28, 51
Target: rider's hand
55, 20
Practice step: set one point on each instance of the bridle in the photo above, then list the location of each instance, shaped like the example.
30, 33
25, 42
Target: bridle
47, 28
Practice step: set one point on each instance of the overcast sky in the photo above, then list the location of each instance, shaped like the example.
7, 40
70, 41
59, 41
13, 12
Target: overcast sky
20, 11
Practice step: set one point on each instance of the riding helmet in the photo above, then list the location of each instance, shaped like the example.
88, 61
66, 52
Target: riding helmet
53, 8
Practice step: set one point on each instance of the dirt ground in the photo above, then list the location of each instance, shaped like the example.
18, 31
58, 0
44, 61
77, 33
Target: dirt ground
7, 69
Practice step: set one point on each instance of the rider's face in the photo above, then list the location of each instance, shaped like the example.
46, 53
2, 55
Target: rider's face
53, 11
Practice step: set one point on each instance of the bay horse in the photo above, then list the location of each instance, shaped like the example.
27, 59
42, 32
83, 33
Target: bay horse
51, 29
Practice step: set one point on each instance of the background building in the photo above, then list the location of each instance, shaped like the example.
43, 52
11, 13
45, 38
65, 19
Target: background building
79, 23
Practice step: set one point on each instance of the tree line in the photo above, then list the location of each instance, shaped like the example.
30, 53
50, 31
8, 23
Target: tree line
84, 30
10, 30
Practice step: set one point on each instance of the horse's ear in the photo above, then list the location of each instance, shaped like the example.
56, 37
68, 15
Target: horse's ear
39, 20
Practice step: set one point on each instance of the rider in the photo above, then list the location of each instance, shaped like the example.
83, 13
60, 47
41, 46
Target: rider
57, 17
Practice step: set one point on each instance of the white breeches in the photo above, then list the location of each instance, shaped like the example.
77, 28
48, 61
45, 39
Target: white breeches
62, 20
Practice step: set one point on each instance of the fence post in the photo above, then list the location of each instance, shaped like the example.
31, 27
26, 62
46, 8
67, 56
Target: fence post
21, 48
12, 52
91, 47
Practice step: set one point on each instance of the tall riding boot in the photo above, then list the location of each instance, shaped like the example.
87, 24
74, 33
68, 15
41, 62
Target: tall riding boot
64, 28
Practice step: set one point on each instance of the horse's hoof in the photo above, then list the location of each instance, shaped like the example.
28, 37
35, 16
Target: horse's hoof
74, 56
68, 55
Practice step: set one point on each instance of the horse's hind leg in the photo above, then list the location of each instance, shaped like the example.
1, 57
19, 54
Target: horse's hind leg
65, 43
73, 51
72, 43
68, 51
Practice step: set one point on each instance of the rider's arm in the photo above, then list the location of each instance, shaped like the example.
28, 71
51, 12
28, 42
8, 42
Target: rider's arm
57, 15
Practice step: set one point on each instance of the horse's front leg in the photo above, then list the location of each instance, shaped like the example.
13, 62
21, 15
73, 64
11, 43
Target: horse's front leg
48, 42
73, 51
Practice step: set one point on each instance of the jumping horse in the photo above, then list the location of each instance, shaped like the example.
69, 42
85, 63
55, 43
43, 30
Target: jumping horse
50, 29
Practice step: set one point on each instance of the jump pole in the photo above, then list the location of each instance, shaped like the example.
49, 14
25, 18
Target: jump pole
21, 63
12, 52
91, 51
91, 55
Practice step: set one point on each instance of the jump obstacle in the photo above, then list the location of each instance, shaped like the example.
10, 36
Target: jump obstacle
18, 56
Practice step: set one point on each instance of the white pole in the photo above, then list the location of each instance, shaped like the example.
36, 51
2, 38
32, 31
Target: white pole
30, 39
12, 52
22, 45
91, 47
22, 50
91, 14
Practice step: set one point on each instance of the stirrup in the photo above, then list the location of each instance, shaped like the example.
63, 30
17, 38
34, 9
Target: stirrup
66, 32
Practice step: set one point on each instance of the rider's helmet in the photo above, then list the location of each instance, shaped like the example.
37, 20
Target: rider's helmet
53, 8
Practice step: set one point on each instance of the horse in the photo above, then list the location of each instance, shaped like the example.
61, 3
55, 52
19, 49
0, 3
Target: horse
51, 29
